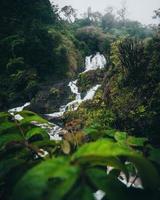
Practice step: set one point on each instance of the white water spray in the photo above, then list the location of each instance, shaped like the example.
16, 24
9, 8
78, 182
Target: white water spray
91, 63
54, 131
95, 62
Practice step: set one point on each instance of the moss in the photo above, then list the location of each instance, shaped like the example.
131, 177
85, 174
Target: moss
92, 112
54, 91
89, 79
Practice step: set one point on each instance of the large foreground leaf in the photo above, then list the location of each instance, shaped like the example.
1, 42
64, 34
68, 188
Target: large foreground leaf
104, 149
80, 191
30, 117
114, 189
51, 179
5, 139
36, 131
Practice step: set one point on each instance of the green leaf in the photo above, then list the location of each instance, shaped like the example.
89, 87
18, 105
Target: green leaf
129, 140
45, 143
7, 126
96, 133
136, 142
36, 131
120, 136
80, 192
14, 156
90, 131
5, 139
30, 117
7, 164
104, 149
154, 155
6, 123
4, 116
114, 189
51, 179
110, 133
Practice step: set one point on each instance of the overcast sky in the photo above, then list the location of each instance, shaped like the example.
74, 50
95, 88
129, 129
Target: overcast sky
141, 10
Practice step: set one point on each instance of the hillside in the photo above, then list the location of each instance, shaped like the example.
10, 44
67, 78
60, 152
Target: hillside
90, 127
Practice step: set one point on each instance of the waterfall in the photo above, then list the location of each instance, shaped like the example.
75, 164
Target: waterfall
95, 62
18, 109
73, 105
91, 63
90, 94
14, 111
74, 89
54, 131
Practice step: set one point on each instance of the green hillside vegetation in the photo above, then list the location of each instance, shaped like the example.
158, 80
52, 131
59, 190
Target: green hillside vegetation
42, 47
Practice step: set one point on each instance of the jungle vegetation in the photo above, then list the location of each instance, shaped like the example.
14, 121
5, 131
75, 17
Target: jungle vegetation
41, 44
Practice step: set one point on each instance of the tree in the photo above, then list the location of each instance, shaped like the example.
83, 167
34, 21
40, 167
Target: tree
93, 37
93, 18
69, 13
108, 19
122, 12
30, 42
131, 55
157, 16
157, 13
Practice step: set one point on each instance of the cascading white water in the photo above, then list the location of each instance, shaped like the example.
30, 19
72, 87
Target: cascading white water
95, 62
14, 111
90, 94
55, 132
74, 89
73, 105
55, 115
18, 109
91, 63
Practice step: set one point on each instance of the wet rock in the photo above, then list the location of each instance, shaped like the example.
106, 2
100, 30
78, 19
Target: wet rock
51, 97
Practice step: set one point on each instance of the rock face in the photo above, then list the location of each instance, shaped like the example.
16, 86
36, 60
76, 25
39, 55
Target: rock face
51, 97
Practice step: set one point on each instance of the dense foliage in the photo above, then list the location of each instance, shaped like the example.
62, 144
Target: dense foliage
34, 49
39, 47
133, 88
33, 167
111, 143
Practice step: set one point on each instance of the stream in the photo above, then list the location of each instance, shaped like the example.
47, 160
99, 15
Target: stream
91, 63
55, 132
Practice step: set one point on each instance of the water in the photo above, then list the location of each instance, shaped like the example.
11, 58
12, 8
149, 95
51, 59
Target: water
99, 195
95, 62
90, 94
73, 105
18, 109
91, 63
55, 131
74, 89
14, 111
55, 115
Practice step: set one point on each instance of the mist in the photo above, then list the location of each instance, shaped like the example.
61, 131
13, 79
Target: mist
141, 11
